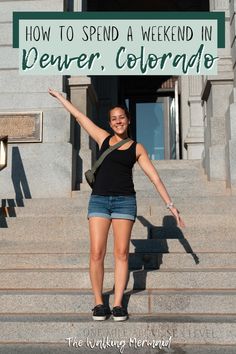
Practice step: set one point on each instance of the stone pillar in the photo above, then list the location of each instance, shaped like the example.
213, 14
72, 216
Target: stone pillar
80, 5
230, 121
184, 112
83, 97
216, 92
194, 142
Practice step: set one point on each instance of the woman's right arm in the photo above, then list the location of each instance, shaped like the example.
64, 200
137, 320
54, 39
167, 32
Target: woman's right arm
97, 133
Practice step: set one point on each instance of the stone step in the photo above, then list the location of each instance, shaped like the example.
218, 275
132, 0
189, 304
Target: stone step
175, 165
217, 227
136, 260
61, 243
146, 205
155, 209
180, 177
167, 175
153, 302
78, 198
138, 279
50, 348
179, 188
179, 173
78, 221
202, 329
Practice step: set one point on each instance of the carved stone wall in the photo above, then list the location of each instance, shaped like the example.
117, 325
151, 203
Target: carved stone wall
216, 92
39, 166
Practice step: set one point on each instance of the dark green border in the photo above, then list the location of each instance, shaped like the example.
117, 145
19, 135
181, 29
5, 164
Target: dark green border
219, 16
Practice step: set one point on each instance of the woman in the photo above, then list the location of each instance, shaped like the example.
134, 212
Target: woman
113, 202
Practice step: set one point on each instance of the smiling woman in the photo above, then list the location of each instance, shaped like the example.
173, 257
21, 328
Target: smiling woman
113, 203
32, 58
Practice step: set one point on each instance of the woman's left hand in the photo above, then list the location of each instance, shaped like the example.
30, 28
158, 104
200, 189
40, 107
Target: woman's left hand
179, 220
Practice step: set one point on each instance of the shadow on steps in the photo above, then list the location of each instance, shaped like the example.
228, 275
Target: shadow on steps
148, 255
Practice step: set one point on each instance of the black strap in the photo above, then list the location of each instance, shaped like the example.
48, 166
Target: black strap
107, 152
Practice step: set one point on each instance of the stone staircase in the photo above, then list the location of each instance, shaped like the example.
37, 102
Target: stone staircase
181, 286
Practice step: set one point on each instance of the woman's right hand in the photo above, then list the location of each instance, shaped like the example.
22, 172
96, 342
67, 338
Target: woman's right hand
97, 133
54, 93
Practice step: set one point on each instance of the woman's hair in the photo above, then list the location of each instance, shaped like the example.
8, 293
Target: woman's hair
126, 113
122, 107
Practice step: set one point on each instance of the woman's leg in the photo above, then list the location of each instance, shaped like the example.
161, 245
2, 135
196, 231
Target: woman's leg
122, 231
98, 228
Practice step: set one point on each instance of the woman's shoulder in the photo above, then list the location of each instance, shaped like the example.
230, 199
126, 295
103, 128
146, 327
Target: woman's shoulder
105, 141
140, 149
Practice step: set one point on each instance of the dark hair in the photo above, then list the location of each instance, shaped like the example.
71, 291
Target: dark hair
127, 113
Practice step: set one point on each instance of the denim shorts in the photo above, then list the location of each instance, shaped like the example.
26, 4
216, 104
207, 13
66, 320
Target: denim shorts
113, 207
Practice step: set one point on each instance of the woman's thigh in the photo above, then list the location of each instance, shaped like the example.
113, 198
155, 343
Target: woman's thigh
98, 229
122, 229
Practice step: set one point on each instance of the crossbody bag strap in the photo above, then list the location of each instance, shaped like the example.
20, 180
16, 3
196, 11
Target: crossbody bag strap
107, 152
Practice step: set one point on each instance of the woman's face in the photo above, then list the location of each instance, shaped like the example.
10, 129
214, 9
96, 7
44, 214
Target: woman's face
119, 122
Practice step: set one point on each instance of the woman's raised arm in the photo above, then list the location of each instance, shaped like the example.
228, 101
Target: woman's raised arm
97, 133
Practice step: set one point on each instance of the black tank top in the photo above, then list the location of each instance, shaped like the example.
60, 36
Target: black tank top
114, 176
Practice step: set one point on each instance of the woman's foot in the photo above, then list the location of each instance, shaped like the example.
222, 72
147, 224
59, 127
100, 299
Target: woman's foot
119, 313
101, 312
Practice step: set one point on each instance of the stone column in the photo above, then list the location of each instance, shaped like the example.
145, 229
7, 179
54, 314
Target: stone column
194, 142
230, 121
216, 92
80, 5
83, 97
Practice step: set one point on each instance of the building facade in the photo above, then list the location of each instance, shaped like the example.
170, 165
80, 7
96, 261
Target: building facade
186, 117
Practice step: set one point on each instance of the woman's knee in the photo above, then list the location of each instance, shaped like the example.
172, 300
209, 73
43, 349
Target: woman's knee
121, 255
97, 255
